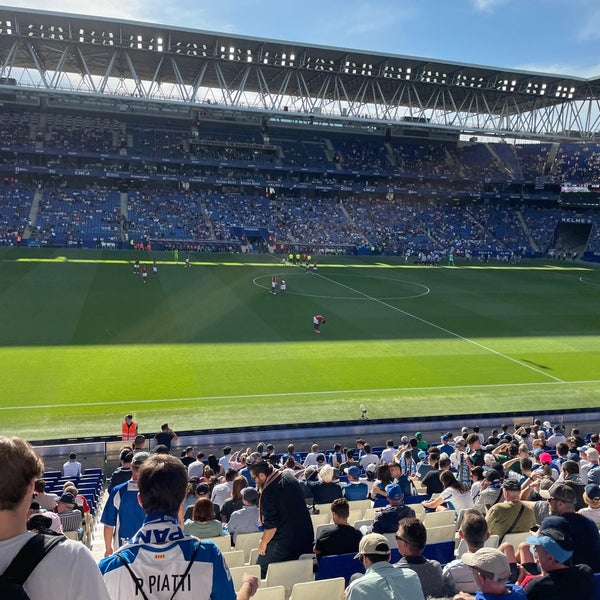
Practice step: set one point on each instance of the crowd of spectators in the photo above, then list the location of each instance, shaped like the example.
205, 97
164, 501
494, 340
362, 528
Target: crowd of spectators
510, 480
453, 197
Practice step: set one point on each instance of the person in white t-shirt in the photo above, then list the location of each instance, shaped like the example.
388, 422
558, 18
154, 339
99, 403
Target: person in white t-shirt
68, 571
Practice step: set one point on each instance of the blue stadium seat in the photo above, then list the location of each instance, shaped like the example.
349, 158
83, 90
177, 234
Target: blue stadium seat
339, 565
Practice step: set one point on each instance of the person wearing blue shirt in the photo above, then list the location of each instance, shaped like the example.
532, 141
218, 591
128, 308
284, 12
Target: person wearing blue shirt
355, 489
122, 515
160, 561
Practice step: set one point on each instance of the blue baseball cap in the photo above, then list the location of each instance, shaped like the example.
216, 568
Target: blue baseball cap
353, 471
394, 491
555, 542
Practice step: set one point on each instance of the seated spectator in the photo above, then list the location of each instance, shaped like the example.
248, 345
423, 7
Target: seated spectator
384, 478
491, 491
381, 580
423, 466
203, 523
458, 576
71, 518
411, 539
80, 500
569, 474
492, 572
41, 523
235, 502
45, 501
477, 475
187, 456
368, 457
222, 491
350, 461
454, 496
586, 539
72, 468
511, 515
196, 468
55, 522
553, 550
386, 519
355, 489
432, 481
311, 457
202, 491
321, 485
591, 497
341, 538
246, 519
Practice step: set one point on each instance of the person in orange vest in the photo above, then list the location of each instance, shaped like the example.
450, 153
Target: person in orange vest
129, 429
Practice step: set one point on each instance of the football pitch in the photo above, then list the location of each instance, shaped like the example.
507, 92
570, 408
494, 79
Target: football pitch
84, 341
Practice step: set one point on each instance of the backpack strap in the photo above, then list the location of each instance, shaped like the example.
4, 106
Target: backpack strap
29, 556
138, 585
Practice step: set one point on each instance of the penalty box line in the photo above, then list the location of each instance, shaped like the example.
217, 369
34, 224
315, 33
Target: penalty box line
446, 331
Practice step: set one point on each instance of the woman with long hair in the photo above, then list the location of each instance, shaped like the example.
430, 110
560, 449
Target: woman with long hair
455, 495
378, 494
235, 502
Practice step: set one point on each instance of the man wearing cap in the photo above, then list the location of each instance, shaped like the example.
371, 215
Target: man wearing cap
160, 560
586, 540
445, 445
591, 497
510, 516
421, 442
341, 538
247, 519
202, 491
491, 491
355, 489
70, 517
491, 570
122, 515
382, 581
593, 471
387, 518
553, 551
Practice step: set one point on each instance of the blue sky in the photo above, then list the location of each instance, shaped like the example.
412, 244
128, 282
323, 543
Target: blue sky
555, 36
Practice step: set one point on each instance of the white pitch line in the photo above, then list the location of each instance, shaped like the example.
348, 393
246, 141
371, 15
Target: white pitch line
447, 331
314, 393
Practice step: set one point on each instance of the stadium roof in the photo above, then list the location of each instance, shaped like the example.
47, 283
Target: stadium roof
73, 53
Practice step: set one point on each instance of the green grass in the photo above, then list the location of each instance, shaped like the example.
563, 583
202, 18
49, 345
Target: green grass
83, 341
